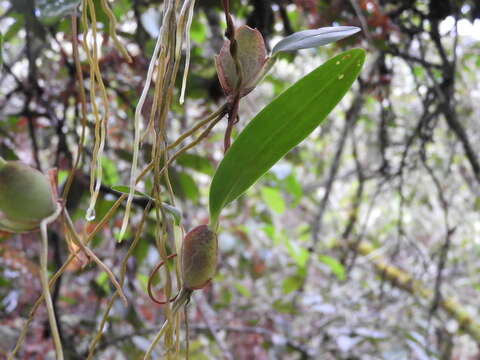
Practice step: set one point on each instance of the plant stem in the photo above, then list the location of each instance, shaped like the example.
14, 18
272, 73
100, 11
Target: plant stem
187, 50
45, 286
220, 112
98, 227
183, 298
83, 102
123, 272
91, 254
194, 142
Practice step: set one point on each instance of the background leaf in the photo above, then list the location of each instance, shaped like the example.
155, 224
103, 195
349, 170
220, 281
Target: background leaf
281, 125
334, 266
272, 197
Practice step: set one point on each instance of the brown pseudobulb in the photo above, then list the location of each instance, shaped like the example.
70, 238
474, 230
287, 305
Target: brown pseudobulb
198, 265
199, 257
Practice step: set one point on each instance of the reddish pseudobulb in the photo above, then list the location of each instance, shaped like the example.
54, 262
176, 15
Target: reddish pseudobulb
199, 257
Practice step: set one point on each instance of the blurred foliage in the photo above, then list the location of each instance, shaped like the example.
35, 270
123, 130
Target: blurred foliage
395, 170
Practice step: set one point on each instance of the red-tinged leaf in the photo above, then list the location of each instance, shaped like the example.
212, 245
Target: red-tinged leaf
252, 56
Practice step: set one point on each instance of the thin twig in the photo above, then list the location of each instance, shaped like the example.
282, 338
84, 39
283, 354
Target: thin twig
90, 253
220, 112
45, 285
83, 102
71, 257
207, 313
123, 272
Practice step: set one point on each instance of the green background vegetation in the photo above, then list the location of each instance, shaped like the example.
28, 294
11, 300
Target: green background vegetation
361, 243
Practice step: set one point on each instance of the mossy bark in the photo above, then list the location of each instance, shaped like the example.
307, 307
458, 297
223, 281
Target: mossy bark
401, 279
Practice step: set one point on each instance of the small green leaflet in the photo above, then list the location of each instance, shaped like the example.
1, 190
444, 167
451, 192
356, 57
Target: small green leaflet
272, 197
242, 290
176, 214
334, 266
299, 254
282, 125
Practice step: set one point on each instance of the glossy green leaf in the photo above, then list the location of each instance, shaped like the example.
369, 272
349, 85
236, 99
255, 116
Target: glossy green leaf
281, 125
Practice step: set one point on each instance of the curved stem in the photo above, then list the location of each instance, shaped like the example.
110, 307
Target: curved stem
157, 338
59, 272
200, 137
182, 299
194, 142
44, 280
150, 280
219, 112
83, 102
90, 253
123, 272
187, 50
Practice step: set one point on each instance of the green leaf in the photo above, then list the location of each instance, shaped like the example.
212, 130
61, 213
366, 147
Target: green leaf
299, 254
102, 281
242, 290
176, 213
281, 125
110, 173
15, 27
195, 162
188, 187
294, 188
125, 189
335, 267
283, 306
292, 283
476, 203
273, 199
198, 31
